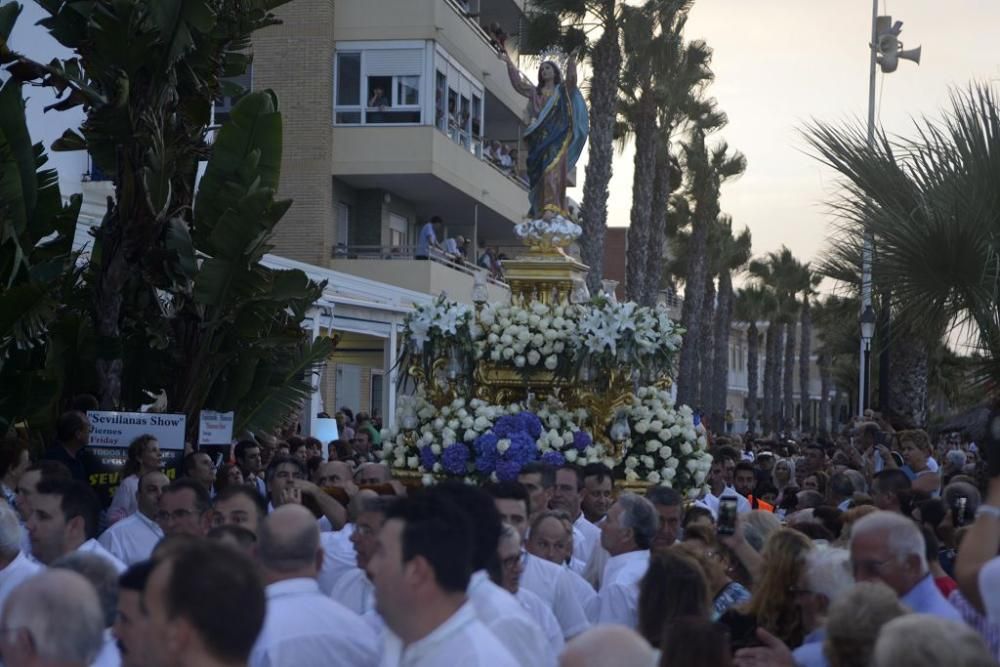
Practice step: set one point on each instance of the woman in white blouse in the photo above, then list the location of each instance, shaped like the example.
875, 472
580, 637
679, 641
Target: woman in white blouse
143, 457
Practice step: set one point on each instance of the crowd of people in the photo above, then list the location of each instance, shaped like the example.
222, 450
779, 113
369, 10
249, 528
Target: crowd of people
853, 553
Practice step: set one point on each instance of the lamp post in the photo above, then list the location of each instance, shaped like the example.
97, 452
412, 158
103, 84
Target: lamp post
867, 333
885, 50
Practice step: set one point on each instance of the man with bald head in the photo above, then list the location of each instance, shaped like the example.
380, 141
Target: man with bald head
53, 619
303, 627
132, 539
608, 645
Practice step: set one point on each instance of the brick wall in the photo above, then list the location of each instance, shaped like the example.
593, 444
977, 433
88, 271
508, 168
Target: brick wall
295, 60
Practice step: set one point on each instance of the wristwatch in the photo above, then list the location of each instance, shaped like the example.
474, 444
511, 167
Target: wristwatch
988, 510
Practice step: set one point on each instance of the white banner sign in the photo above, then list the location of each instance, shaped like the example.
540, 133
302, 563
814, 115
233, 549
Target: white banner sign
215, 428
119, 429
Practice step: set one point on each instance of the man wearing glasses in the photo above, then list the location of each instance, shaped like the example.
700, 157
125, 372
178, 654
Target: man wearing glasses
889, 547
184, 507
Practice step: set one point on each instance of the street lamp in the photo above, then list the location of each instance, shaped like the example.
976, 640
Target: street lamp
885, 51
867, 333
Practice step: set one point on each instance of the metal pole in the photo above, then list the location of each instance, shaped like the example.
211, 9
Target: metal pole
866, 253
866, 380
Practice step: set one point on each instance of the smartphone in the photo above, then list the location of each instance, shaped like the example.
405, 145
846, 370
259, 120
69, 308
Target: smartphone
726, 523
958, 511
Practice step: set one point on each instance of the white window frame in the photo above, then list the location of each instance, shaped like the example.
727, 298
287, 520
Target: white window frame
458, 79
425, 91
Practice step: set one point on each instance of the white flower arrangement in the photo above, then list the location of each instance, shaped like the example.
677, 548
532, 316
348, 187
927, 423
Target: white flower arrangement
665, 447
611, 334
532, 335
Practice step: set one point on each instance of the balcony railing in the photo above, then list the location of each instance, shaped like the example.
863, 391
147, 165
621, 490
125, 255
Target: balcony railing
390, 253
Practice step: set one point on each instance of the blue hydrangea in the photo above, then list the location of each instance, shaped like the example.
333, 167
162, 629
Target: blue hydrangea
454, 459
581, 440
507, 470
554, 459
531, 424
506, 426
485, 447
522, 448
427, 458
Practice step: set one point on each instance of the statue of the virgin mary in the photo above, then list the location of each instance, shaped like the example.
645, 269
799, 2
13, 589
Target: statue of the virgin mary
555, 137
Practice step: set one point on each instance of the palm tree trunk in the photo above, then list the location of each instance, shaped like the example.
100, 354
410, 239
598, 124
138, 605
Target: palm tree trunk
825, 375
707, 349
109, 288
606, 64
642, 198
778, 343
805, 351
767, 408
788, 383
753, 340
657, 227
720, 363
908, 391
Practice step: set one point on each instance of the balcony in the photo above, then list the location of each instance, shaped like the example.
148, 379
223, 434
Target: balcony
441, 177
398, 266
445, 22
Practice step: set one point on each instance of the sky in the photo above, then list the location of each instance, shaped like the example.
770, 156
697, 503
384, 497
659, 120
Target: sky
780, 63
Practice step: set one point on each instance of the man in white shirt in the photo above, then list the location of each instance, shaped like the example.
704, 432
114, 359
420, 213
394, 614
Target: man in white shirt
238, 506
15, 566
566, 496
64, 519
627, 533
354, 588
198, 466
288, 481
547, 580
548, 540
717, 477
52, 620
421, 568
498, 609
598, 492
248, 458
133, 538
303, 627
130, 620
104, 578
204, 605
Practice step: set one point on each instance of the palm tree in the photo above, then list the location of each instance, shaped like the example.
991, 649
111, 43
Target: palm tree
752, 305
574, 24
732, 257
661, 78
810, 281
707, 169
931, 204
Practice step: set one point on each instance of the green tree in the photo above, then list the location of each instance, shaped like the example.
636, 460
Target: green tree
753, 304
732, 256
178, 295
706, 169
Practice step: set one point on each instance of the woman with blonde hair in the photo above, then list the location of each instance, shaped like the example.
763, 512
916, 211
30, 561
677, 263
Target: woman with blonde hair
783, 476
773, 605
143, 457
916, 449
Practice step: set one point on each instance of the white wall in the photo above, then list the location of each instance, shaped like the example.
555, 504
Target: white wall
33, 41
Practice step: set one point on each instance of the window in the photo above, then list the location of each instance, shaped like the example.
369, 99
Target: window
398, 227
343, 213
477, 124
348, 87
441, 101
463, 97
378, 86
376, 391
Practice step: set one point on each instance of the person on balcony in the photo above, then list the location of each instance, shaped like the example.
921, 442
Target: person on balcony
429, 237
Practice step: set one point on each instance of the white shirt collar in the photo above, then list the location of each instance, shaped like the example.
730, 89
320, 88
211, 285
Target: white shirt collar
463, 616
296, 586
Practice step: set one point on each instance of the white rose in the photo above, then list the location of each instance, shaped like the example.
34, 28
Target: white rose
673, 462
642, 426
699, 477
631, 476
669, 473
631, 462
453, 424
427, 480
653, 477
652, 446
436, 450
413, 462
519, 361
647, 461
503, 445
665, 452
656, 425
438, 423
558, 347
702, 442
691, 465
534, 357
508, 353
495, 355
399, 463
538, 340
686, 448
570, 455
533, 320
689, 434
524, 336
481, 423
551, 362
469, 435
506, 339
693, 493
